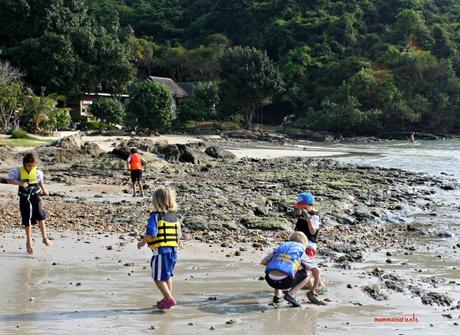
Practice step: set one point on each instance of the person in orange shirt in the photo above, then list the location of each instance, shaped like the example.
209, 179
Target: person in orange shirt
135, 164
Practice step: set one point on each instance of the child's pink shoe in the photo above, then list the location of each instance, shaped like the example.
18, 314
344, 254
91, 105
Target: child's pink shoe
159, 302
166, 304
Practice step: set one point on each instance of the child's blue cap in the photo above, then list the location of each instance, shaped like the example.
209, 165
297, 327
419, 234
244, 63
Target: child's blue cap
303, 199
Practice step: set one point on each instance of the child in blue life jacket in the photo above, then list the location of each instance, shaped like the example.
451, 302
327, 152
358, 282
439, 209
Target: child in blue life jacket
162, 236
31, 186
287, 266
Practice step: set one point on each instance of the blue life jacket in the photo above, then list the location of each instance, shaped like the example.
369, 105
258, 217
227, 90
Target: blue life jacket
287, 258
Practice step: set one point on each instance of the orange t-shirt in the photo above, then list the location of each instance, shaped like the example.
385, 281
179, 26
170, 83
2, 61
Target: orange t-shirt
135, 163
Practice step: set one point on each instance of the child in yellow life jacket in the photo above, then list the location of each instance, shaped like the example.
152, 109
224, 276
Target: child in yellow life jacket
162, 236
287, 266
31, 186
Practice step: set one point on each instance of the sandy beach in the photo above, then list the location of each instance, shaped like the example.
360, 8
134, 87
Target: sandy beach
80, 286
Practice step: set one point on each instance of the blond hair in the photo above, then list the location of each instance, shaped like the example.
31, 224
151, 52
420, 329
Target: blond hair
164, 200
300, 237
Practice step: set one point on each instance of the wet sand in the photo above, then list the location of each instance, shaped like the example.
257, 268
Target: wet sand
79, 286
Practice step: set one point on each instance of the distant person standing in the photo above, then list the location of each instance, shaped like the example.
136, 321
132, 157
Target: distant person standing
412, 138
135, 164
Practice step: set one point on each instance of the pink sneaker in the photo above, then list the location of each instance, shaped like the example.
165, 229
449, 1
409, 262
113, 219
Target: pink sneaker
159, 302
166, 304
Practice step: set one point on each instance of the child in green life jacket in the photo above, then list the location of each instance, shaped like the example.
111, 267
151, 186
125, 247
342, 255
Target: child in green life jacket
287, 266
31, 185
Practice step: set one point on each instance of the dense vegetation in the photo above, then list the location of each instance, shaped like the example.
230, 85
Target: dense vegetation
363, 66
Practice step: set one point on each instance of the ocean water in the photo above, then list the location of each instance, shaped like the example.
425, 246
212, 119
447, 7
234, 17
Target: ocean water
431, 157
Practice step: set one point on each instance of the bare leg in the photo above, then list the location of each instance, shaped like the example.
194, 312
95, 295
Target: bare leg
140, 187
296, 288
170, 286
134, 188
42, 226
278, 293
317, 279
30, 250
163, 287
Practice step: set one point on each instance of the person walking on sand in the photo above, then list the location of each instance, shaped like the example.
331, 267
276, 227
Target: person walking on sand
31, 185
135, 163
162, 236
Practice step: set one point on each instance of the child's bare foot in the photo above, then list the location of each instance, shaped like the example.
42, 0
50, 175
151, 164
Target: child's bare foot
47, 241
30, 250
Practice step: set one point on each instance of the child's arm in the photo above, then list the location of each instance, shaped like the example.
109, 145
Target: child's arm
127, 162
15, 182
144, 163
44, 190
312, 223
267, 259
14, 178
151, 230
143, 242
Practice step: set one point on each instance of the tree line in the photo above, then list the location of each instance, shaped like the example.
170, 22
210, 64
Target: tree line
361, 66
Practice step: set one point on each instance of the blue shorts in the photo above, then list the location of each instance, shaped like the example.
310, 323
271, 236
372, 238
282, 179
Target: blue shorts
163, 266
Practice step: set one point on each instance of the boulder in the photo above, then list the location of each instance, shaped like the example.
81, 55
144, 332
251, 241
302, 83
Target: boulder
219, 153
264, 223
73, 142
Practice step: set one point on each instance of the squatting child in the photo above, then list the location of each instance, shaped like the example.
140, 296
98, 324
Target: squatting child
286, 268
31, 185
162, 236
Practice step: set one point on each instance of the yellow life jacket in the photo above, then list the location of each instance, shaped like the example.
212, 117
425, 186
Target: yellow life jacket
167, 235
29, 177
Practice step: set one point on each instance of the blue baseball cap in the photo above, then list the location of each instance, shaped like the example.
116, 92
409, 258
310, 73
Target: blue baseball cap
303, 199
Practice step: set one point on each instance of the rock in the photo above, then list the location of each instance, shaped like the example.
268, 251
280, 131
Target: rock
349, 286
233, 322
264, 223
109, 247
169, 152
440, 299
445, 234
212, 328
219, 153
375, 292
31, 299
212, 298
73, 142
388, 261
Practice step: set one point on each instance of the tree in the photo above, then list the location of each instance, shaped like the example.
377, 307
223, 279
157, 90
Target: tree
41, 112
249, 80
201, 105
68, 52
108, 110
11, 93
151, 106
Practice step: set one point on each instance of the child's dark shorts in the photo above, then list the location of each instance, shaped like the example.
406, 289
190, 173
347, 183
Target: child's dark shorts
288, 282
136, 175
31, 210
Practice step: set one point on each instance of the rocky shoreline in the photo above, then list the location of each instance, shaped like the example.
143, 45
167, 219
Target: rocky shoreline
224, 201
